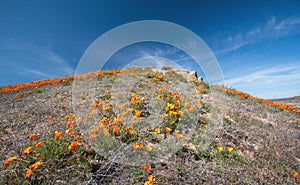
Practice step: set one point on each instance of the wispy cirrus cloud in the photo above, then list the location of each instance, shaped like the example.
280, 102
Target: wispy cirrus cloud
47, 64
157, 51
30, 61
271, 29
281, 73
36, 72
270, 81
286, 23
174, 56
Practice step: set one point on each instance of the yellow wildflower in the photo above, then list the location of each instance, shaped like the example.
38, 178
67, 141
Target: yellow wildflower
148, 148
220, 148
229, 149
131, 132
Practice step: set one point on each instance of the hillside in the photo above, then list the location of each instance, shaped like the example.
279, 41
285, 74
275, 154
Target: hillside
144, 126
295, 101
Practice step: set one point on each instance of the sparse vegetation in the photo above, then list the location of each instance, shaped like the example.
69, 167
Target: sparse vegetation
197, 134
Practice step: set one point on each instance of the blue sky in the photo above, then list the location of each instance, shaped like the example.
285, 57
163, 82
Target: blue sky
257, 43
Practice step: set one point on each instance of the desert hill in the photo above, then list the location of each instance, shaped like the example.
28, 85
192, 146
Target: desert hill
144, 126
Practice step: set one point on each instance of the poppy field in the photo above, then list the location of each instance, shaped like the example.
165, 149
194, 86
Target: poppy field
144, 126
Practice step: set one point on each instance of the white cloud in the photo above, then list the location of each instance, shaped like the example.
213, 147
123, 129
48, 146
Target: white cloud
269, 78
38, 61
254, 31
273, 28
158, 52
36, 72
61, 64
278, 73
287, 23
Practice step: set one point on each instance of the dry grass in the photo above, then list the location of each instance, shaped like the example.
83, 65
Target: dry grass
229, 140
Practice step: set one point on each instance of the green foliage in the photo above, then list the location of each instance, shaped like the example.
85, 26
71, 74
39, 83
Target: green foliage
167, 68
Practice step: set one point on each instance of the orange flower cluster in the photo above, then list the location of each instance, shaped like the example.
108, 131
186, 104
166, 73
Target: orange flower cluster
33, 167
35, 84
244, 95
138, 146
173, 109
54, 81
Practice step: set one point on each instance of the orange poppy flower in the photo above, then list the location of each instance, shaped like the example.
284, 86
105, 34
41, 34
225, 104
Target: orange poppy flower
105, 132
81, 138
147, 167
35, 165
137, 113
28, 173
131, 132
70, 123
27, 150
39, 144
156, 130
69, 131
72, 146
138, 146
57, 135
71, 116
93, 135
151, 179
295, 174
33, 136
116, 130
9, 160
168, 129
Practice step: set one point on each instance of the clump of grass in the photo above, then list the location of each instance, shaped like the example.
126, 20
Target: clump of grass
167, 68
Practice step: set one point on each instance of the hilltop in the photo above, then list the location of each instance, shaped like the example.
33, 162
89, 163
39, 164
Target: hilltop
144, 126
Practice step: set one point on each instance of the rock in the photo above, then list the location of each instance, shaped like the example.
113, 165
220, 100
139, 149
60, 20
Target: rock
188, 75
190, 146
200, 79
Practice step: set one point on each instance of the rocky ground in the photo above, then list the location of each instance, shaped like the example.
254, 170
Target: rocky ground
140, 124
